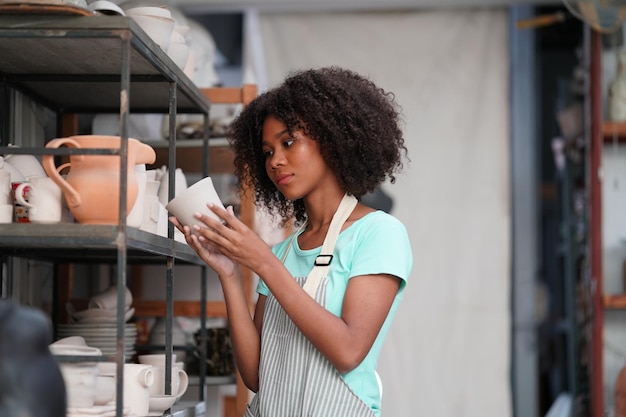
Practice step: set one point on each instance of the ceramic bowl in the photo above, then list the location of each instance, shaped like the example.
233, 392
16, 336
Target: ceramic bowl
194, 200
179, 53
106, 7
157, 27
149, 11
107, 299
160, 403
97, 315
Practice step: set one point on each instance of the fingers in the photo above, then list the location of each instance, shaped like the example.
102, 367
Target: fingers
228, 215
184, 229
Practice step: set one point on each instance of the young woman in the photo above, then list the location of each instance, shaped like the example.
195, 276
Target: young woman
310, 149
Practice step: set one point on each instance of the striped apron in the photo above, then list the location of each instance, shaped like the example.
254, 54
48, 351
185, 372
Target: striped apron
295, 379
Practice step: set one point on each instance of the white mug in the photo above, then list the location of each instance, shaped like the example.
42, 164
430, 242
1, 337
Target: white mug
137, 382
45, 200
179, 383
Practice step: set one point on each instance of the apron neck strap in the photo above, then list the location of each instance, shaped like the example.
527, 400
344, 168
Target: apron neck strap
323, 260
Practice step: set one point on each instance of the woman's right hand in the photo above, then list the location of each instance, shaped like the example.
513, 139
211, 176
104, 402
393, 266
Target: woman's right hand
223, 265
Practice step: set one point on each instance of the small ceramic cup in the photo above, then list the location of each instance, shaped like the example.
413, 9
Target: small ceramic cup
179, 381
155, 359
194, 200
44, 199
20, 212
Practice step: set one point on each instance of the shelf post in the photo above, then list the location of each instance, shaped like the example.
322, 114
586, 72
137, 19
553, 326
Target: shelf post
595, 224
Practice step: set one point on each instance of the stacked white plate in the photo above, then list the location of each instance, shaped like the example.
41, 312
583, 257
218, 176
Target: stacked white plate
102, 335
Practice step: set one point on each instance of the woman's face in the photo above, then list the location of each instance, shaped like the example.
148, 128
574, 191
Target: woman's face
292, 161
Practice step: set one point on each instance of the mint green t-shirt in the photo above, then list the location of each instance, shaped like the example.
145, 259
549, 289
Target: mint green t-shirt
375, 244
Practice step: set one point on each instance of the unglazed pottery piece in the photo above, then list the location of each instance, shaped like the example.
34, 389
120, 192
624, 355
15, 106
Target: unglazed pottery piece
92, 187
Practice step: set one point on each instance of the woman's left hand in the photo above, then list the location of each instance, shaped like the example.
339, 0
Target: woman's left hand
232, 238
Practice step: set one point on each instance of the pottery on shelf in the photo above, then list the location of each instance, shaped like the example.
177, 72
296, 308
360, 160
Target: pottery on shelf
92, 186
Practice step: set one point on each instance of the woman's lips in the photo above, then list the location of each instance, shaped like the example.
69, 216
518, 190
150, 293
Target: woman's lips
283, 178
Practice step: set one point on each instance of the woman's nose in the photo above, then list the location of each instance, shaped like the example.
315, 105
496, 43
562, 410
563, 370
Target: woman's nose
277, 160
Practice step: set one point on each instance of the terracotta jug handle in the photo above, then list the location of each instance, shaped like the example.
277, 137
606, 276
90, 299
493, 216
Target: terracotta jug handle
47, 161
63, 166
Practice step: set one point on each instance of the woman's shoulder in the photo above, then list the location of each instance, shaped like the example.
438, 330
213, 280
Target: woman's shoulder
379, 219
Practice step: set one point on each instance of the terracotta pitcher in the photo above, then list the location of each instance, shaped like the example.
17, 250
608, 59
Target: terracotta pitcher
92, 186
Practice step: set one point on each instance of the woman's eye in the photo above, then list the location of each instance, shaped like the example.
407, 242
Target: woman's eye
267, 154
288, 143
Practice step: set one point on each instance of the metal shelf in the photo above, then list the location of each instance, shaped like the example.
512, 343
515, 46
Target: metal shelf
72, 65
96, 64
85, 243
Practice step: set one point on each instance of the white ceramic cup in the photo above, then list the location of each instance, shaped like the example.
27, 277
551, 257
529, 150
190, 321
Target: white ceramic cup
194, 200
44, 202
20, 211
155, 359
107, 299
6, 213
179, 381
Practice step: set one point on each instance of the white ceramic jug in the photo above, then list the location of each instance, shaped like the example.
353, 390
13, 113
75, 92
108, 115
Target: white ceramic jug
16, 175
151, 204
28, 165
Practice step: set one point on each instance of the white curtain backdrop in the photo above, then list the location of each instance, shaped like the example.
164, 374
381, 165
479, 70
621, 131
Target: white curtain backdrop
448, 351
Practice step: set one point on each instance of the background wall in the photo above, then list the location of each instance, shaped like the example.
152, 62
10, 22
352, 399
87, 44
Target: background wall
448, 350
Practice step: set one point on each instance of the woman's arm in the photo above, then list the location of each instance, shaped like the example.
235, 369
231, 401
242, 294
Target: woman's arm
244, 331
345, 340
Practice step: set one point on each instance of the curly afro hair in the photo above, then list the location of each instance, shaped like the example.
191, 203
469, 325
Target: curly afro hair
356, 124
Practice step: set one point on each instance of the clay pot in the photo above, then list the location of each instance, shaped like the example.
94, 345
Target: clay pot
92, 187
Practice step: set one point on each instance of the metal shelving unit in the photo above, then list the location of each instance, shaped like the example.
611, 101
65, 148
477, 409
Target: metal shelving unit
105, 64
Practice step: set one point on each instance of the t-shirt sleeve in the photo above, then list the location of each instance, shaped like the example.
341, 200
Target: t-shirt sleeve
383, 248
